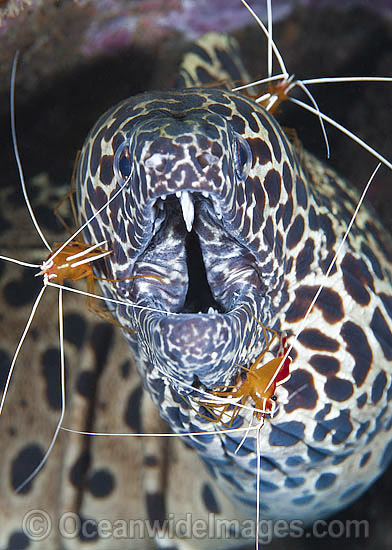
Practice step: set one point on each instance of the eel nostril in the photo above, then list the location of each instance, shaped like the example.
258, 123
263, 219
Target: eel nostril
157, 162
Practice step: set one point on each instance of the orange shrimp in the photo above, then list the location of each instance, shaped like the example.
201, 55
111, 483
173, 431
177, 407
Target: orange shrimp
276, 93
257, 385
72, 260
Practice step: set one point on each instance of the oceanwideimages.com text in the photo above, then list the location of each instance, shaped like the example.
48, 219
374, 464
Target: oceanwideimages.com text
38, 525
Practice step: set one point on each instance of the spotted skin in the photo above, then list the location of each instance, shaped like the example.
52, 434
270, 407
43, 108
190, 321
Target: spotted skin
267, 234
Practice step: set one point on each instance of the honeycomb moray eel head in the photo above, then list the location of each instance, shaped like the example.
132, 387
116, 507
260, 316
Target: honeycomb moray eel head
219, 214
203, 172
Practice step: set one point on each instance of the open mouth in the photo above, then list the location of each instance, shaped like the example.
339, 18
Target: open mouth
199, 297
205, 279
203, 270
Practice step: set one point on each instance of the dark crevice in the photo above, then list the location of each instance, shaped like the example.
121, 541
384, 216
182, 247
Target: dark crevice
199, 296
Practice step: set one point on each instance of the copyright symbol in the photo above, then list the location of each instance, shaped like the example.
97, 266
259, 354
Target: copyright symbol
36, 525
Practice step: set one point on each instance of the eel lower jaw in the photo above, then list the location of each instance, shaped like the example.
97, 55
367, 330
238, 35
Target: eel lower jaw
182, 347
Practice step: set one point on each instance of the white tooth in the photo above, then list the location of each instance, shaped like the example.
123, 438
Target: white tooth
217, 209
211, 310
178, 194
205, 194
188, 210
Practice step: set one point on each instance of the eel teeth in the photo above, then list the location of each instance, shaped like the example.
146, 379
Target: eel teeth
188, 210
218, 210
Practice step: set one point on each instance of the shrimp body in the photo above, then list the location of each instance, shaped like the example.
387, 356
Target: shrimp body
72, 261
259, 386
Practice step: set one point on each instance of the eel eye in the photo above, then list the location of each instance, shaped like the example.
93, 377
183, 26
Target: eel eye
242, 157
122, 164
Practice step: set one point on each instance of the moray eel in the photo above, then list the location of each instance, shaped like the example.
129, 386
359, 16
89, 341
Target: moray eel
240, 225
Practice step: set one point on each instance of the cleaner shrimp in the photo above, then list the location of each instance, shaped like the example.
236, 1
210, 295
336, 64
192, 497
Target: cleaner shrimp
254, 382
126, 367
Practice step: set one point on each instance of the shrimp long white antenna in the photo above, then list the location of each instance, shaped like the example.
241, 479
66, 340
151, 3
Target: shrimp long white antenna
269, 45
258, 477
85, 224
211, 398
34, 309
248, 429
344, 130
22, 180
343, 79
16, 152
330, 267
261, 81
316, 110
62, 382
301, 85
285, 75
19, 262
20, 344
333, 80
269, 38
158, 434
105, 299
23, 183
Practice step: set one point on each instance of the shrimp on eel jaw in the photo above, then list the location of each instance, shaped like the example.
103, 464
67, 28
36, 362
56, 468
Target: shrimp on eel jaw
241, 223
